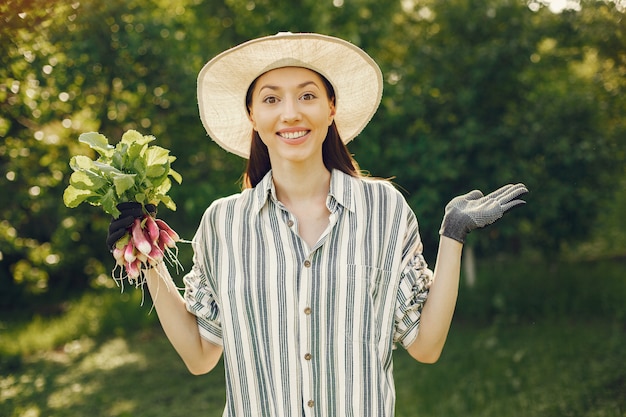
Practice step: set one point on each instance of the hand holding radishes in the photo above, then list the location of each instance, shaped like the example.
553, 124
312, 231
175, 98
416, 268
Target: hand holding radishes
128, 181
128, 213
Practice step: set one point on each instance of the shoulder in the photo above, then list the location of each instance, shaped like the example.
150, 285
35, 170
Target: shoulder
377, 198
228, 204
379, 188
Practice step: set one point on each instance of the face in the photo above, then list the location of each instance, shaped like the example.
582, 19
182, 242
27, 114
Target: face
291, 111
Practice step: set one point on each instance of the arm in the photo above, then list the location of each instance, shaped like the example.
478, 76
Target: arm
462, 215
437, 313
179, 325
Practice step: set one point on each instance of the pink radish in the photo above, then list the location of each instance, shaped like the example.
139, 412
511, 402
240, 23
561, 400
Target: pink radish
141, 257
164, 226
153, 228
132, 268
166, 239
129, 252
139, 239
118, 255
155, 256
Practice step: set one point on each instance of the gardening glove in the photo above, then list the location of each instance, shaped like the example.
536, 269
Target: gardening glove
473, 210
129, 211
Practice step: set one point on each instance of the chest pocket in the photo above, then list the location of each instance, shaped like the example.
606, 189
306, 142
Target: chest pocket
366, 289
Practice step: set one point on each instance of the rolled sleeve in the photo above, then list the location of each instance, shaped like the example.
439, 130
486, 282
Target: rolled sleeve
415, 281
201, 302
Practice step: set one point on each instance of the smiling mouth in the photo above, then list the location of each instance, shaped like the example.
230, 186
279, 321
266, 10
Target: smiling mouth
293, 135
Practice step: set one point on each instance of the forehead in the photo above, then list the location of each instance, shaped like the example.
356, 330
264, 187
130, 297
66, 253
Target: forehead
286, 75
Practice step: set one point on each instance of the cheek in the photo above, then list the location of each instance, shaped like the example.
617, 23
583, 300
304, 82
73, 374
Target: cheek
259, 120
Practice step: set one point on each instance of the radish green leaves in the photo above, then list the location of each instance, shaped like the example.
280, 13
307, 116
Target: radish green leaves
132, 170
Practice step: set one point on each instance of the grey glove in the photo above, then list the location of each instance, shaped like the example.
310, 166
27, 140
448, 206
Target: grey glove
473, 210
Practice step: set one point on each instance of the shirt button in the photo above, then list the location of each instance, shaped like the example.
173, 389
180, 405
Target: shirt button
311, 403
308, 356
307, 263
307, 310
289, 223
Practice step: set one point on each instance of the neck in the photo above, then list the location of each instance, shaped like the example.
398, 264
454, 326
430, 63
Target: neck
296, 184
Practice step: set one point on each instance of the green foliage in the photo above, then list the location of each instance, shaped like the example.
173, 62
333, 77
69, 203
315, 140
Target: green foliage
476, 94
523, 290
131, 171
482, 94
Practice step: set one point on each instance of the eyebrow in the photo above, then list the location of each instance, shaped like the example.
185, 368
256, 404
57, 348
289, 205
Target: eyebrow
301, 85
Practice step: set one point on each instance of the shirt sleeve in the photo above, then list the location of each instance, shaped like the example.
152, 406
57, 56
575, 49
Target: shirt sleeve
200, 293
201, 302
415, 281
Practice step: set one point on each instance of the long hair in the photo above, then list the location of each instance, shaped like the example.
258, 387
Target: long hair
335, 153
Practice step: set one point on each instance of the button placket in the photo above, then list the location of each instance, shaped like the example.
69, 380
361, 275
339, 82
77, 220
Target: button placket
306, 356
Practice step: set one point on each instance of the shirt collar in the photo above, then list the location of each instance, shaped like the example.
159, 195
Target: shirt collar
264, 190
341, 191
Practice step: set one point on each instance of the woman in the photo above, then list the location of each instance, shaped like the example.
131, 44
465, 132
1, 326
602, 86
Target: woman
306, 280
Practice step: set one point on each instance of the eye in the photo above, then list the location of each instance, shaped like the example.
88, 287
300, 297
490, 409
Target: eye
270, 100
308, 96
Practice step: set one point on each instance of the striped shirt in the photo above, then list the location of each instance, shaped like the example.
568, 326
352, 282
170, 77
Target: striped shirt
309, 330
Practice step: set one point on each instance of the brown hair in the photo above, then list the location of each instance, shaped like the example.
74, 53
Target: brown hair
335, 153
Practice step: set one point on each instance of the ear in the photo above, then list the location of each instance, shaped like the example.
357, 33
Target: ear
331, 116
251, 118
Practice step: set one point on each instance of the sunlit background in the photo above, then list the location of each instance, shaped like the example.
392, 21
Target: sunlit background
477, 93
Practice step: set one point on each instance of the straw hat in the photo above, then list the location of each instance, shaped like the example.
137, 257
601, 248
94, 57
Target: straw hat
224, 81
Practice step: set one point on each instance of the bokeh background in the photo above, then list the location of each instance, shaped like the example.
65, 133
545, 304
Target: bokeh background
478, 93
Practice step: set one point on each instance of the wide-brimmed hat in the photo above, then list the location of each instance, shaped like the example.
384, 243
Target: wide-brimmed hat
223, 83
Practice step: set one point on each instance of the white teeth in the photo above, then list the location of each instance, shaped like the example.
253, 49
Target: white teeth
293, 135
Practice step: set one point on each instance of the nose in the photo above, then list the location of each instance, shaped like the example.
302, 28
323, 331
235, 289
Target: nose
290, 111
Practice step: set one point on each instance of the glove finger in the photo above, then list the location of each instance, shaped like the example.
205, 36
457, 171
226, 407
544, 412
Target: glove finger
127, 205
121, 223
135, 211
512, 204
116, 235
473, 195
151, 209
501, 191
511, 193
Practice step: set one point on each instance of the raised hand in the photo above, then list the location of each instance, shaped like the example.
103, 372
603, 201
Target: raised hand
474, 210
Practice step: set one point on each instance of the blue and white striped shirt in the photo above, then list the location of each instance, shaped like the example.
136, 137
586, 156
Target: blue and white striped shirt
309, 331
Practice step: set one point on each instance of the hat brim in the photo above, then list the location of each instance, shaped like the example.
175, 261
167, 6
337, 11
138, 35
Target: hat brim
223, 83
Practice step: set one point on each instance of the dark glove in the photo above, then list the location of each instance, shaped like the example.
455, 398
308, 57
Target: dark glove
128, 213
473, 210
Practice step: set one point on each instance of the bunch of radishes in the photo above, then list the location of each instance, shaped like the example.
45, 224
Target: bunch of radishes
131, 171
148, 242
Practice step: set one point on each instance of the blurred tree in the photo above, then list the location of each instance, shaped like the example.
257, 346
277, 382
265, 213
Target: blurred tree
34, 124
477, 93
102, 65
483, 93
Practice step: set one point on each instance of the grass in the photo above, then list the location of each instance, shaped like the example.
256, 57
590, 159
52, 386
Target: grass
540, 369
565, 355
139, 375
533, 369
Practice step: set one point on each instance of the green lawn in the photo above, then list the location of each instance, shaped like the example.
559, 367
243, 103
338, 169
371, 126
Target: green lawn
539, 369
517, 347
